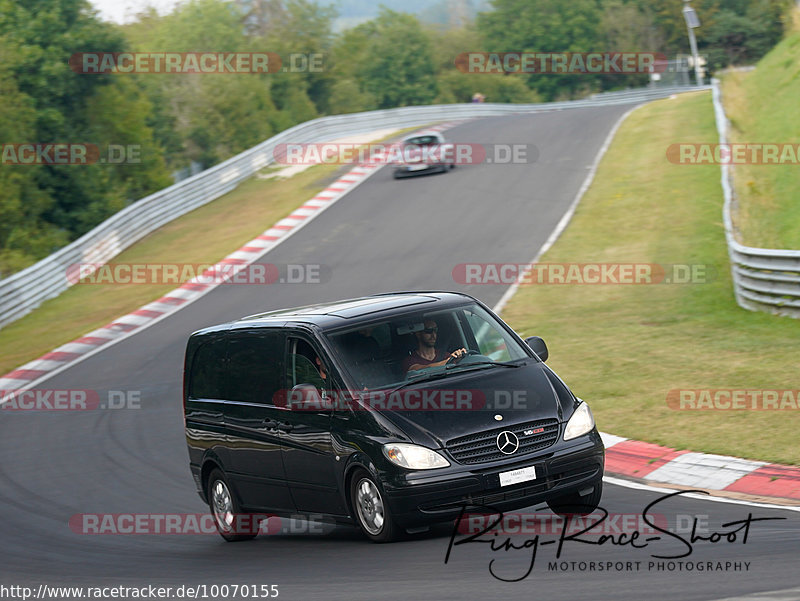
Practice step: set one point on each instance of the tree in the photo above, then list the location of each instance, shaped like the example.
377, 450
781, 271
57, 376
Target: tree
305, 35
46, 205
457, 86
631, 27
742, 32
24, 236
262, 17
390, 58
207, 118
545, 26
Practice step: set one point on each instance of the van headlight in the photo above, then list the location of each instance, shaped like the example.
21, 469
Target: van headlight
414, 457
581, 422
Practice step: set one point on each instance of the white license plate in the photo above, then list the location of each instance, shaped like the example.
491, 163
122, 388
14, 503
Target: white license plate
523, 474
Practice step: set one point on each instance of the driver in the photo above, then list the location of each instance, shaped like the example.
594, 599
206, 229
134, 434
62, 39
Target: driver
426, 354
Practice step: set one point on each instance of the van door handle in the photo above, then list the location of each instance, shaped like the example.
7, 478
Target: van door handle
285, 426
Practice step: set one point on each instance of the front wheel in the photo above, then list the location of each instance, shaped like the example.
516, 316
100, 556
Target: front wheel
225, 509
371, 511
577, 504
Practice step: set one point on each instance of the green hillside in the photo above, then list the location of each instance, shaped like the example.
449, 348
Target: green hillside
764, 107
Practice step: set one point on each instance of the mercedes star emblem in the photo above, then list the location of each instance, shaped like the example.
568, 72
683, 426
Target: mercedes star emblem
507, 442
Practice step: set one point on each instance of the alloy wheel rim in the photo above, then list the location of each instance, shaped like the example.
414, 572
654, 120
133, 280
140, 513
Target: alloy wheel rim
369, 505
222, 505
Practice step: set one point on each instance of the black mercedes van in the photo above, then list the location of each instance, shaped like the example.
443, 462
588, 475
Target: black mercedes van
392, 412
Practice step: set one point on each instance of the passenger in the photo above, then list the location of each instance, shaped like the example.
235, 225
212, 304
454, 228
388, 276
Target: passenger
321, 368
361, 346
303, 370
426, 354
364, 353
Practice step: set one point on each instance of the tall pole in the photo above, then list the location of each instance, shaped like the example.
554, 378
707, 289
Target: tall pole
691, 22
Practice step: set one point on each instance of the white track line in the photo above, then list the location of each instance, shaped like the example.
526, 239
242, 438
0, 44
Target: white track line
699, 497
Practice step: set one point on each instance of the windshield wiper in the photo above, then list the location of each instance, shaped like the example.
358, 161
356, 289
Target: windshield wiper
498, 363
448, 370
423, 378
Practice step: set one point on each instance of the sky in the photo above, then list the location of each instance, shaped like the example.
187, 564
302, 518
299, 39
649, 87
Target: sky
122, 11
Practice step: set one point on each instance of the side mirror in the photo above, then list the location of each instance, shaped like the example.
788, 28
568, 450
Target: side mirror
306, 397
538, 346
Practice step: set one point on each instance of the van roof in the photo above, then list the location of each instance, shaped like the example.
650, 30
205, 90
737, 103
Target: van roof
338, 313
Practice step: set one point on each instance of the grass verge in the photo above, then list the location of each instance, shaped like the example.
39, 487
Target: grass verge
205, 235
624, 347
762, 106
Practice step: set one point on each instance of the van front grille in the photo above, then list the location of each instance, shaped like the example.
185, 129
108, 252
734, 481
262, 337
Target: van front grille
482, 447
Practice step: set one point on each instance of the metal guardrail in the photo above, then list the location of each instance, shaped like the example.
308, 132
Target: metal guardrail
26, 290
764, 279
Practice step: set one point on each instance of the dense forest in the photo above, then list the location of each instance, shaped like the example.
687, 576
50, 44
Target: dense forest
178, 120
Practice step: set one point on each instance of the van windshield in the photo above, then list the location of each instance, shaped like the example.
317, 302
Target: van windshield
389, 353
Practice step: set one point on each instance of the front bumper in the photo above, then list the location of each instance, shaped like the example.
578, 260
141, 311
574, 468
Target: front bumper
418, 169
424, 498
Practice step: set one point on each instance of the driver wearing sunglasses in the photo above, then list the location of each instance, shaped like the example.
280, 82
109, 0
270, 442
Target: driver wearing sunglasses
426, 354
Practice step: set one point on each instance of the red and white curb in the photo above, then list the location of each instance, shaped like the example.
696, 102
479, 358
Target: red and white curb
56, 361
654, 463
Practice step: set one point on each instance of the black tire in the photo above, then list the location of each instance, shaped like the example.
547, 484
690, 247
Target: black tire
226, 511
371, 512
576, 504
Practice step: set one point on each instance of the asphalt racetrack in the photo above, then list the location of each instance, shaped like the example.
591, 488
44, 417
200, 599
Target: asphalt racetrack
385, 235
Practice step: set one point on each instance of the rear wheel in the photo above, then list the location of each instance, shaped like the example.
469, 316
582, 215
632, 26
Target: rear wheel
370, 508
576, 504
226, 511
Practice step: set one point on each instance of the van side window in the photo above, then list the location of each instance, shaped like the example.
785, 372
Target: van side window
208, 370
302, 365
254, 367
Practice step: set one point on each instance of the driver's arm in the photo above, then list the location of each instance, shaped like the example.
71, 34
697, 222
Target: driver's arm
454, 356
